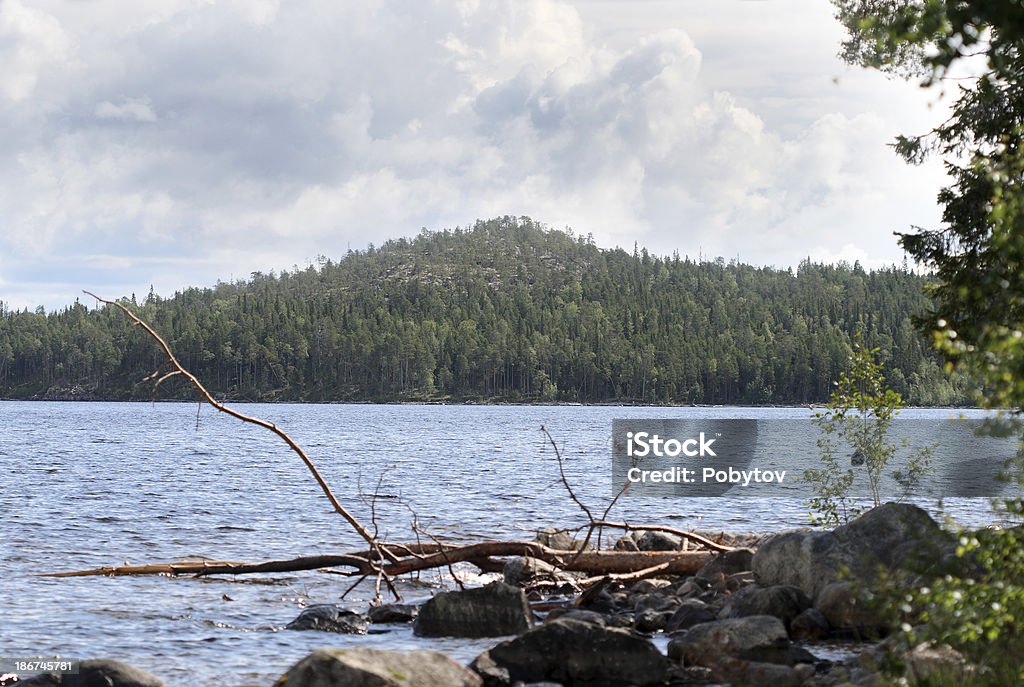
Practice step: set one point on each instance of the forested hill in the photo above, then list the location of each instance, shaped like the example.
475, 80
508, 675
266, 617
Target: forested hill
504, 311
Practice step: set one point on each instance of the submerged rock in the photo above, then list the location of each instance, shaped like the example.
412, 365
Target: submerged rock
493, 611
330, 618
378, 668
97, 673
394, 613
573, 652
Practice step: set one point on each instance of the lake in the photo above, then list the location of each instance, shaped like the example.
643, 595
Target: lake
85, 485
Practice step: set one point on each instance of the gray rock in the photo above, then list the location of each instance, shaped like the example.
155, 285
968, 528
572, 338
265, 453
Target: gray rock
492, 611
394, 613
523, 570
725, 564
849, 608
785, 602
740, 673
330, 618
577, 614
892, 536
571, 652
760, 638
626, 543
97, 673
811, 624
659, 541
929, 664
691, 612
378, 668
651, 621
557, 539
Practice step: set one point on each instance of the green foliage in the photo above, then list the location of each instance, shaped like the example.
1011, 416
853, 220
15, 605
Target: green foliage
857, 419
504, 310
978, 261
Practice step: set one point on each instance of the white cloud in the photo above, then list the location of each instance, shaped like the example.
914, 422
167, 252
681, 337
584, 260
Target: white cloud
252, 135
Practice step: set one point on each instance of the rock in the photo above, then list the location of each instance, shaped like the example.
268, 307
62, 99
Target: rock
576, 614
691, 612
849, 608
811, 624
571, 652
626, 543
492, 611
394, 613
557, 539
725, 564
929, 664
659, 541
97, 673
377, 668
523, 570
330, 618
760, 638
893, 536
785, 602
740, 673
651, 621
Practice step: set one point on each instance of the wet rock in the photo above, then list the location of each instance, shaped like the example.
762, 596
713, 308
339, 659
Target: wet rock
892, 536
571, 652
760, 638
690, 612
651, 621
378, 668
785, 602
811, 624
330, 618
394, 613
97, 673
492, 611
659, 541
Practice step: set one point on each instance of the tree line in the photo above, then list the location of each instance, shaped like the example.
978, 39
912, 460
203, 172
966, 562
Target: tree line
505, 310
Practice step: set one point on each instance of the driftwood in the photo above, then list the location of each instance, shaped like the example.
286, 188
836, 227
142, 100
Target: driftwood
387, 560
616, 563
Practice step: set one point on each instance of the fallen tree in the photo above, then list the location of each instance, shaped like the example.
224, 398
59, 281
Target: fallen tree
386, 560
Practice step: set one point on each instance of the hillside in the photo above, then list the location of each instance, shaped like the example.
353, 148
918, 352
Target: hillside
503, 311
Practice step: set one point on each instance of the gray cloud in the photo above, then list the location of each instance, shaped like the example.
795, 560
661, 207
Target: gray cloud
176, 143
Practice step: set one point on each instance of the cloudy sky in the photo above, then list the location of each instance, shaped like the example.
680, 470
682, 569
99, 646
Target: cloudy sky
178, 142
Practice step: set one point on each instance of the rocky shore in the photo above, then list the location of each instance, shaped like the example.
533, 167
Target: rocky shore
753, 616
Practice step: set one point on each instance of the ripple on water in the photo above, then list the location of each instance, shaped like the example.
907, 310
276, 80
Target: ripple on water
108, 482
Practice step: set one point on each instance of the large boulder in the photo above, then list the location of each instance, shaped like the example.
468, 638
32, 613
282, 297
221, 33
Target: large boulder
97, 673
653, 540
496, 610
330, 618
760, 638
893, 537
785, 602
377, 668
572, 652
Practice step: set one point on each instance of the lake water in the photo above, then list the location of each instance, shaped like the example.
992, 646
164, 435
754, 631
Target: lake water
85, 485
